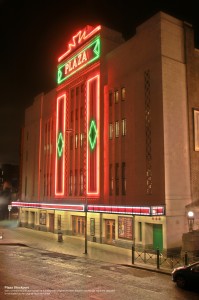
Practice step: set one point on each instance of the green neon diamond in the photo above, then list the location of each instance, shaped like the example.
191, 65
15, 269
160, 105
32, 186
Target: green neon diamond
92, 135
60, 144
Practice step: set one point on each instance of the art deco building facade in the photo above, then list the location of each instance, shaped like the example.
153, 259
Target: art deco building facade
116, 143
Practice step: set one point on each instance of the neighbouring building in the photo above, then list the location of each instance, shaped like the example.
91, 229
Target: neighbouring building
114, 149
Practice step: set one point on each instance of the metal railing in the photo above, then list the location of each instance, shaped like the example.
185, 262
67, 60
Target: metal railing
160, 259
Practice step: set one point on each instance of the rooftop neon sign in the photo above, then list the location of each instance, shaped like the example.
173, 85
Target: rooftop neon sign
79, 38
86, 56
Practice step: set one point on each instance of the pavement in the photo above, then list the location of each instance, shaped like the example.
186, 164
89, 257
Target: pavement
12, 234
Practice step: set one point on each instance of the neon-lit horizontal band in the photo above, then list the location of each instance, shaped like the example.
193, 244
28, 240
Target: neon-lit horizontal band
129, 210
69, 207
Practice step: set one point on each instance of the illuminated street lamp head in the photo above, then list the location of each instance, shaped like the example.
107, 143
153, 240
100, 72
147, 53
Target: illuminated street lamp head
190, 216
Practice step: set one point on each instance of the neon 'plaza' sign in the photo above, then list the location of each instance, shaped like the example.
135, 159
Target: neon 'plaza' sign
86, 56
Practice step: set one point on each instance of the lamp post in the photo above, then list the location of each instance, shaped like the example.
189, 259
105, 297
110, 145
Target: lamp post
85, 228
190, 216
9, 209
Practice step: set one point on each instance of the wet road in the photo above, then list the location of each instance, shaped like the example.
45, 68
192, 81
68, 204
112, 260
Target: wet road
27, 273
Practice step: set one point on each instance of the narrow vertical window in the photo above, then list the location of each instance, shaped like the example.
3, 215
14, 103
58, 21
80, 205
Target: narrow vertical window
123, 127
81, 182
110, 98
110, 131
117, 179
123, 178
110, 180
81, 139
116, 96
76, 182
123, 93
71, 142
117, 129
70, 183
76, 141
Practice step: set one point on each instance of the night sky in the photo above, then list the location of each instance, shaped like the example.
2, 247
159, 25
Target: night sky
34, 33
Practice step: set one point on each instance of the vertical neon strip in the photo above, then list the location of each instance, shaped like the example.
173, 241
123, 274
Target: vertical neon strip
93, 154
60, 146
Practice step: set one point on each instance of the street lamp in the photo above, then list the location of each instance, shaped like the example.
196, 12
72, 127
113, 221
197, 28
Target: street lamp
190, 216
85, 230
9, 209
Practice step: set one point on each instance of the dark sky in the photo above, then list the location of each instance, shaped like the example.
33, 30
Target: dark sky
33, 33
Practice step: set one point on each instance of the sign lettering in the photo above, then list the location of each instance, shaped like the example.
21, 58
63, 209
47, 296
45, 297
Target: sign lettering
86, 56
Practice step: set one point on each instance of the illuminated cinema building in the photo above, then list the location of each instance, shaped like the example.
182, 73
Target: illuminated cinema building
115, 143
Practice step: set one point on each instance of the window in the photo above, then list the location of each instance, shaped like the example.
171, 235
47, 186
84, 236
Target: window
76, 182
123, 93
110, 131
117, 179
110, 179
76, 114
110, 98
76, 141
196, 129
71, 142
117, 129
81, 112
81, 139
123, 178
70, 182
81, 182
116, 96
123, 127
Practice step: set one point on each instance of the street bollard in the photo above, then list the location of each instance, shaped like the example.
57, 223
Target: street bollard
60, 236
186, 259
158, 258
133, 254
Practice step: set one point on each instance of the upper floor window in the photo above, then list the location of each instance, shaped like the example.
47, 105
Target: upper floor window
81, 182
123, 178
81, 139
123, 93
117, 179
110, 98
117, 129
70, 182
110, 131
123, 127
116, 96
76, 141
81, 112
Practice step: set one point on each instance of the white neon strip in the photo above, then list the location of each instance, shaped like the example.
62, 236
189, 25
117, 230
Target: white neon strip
97, 78
133, 210
61, 98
